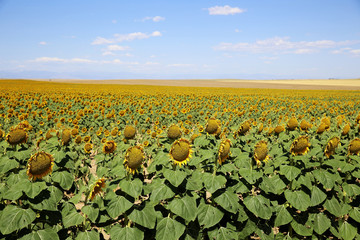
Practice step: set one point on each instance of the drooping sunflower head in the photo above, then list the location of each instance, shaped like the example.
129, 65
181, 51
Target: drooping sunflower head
321, 128
109, 147
134, 157
129, 132
354, 147
300, 146
78, 139
305, 126
224, 150
326, 121
261, 152
244, 128
213, 126
180, 151
331, 146
66, 137
88, 147
174, 132
345, 130
17, 136
279, 129
39, 165
292, 124
97, 188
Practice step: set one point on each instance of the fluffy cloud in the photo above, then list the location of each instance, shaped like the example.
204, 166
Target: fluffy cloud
281, 45
225, 10
55, 59
125, 37
154, 19
117, 48
347, 50
42, 43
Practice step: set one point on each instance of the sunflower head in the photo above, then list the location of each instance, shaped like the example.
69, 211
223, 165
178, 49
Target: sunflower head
345, 130
331, 146
39, 165
326, 121
17, 136
2, 134
292, 124
195, 135
87, 138
305, 126
174, 132
134, 157
88, 147
109, 147
78, 139
180, 151
279, 129
213, 126
300, 146
244, 128
261, 152
66, 137
224, 150
97, 188
354, 147
129, 132
50, 133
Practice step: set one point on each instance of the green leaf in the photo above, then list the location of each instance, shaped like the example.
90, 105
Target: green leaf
290, 172
298, 199
7, 165
250, 175
283, 216
91, 212
72, 219
14, 218
118, 206
169, 229
47, 199
325, 178
34, 188
317, 196
213, 183
347, 231
355, 214
259, 206
351, 189
273, 184
47, 233
225, 234
161, 192
208, 215
88, 235
229, 201
334, 207
184, 207
64, 178
302, 229
195, 182
145, 217
133, 188
174, 177
126, 233
321, 223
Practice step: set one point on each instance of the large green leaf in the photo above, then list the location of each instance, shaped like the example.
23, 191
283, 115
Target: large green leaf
44, 234
161, 192
290, 172
126, 233
273, 184
118, 206
302, 229
175, 177
326, 178
282, 216
351, 189
169, 229
64, 178
213, 182
14, 218
225, 234
259, 206
317, 196
34, 188
250, 175
335, 208
194, 182
321, 223
145, 217
347, 231
355, 214
73, 218
133, 188
88, 235
298, 199
229, 201
91, 212
208, 215
184, 207
7, 165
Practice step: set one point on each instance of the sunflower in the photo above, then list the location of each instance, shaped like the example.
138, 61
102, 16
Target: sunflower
17, 136
50, 133
88, 147
109, 147
195, 135
78, 139
66, 137
261, 152
326, 121
39, 165
292, 124
2, 134
244, 128
134, 157
181, 151
87, 138
354, 147
345, 130
174, 132
300, 146
304, 125
74, 132
97, 188
321, 128
331, 146
213, 126
279, 129
224, 150
129, 132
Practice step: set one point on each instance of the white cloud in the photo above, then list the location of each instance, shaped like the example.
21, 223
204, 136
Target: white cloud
154, 19
238, 30
43, 43
107, 53
281, 45
125, 37
152, 63
355, 51
55, 59
180, 65
117, 48
225, 10
351, 51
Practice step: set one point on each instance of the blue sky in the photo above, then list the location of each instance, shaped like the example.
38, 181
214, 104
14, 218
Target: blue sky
109, 39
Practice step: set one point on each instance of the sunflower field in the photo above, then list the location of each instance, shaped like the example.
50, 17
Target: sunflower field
86, 161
